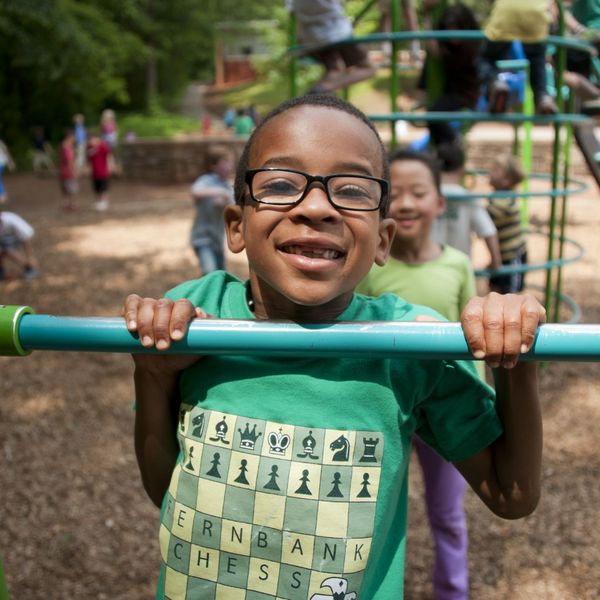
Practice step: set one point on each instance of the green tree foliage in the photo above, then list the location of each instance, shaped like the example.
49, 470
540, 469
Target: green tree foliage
59, 57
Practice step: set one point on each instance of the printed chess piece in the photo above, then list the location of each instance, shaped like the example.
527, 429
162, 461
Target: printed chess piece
272, 483
215, 462
303, 489
198, 423
364, 492
241, 478
308, 445
369, 451
189, 465
335, 490
220, 432
342, 445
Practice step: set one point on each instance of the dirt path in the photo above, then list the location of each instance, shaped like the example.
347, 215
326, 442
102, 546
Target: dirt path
74, 520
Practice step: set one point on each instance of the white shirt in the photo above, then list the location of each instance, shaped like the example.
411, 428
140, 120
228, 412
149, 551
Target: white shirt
461, 218
14, 227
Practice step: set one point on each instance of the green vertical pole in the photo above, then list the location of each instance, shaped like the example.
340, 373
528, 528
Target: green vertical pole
563, 207
560, 67
527, 147
293, 59
3, 587
394, 87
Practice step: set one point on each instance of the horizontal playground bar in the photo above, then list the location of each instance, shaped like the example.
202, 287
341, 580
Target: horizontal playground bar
448, 34
340, 339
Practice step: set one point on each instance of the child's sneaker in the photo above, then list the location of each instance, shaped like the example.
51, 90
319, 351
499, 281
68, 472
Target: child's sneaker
101, 205
498, 96
546, 105
30, 273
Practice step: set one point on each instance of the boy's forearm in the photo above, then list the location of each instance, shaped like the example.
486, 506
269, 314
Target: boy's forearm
156, 445
494, 248
517, 454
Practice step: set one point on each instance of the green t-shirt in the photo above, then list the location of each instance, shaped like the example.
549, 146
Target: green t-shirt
292, 476
444, 284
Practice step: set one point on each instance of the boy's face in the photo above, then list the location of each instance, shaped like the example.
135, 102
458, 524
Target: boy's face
499, 180
308, 258
224, 166
415, 200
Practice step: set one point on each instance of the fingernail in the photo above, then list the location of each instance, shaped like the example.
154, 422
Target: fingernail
494, 364
177, 333
147, 340
161, 344
509, 364
131, 324
524, 348
479, 354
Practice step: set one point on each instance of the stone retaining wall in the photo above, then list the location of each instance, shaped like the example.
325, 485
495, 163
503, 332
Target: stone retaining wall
171, 161
181, 161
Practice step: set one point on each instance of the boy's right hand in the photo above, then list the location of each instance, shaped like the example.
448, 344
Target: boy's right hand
158, 323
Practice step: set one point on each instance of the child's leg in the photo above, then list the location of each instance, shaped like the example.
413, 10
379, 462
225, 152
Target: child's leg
444, 494
536, 55
206, 258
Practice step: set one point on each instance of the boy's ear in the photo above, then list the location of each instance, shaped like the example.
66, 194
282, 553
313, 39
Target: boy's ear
387, 230
442, 202
234, 227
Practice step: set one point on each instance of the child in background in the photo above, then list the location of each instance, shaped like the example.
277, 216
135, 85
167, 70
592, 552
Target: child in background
80, 141
212, 192
528, 22
462, 217
6, 161
98, 153
459, 59
292, 472
422, 271
321, 23
16, 235
505, 175
68, 170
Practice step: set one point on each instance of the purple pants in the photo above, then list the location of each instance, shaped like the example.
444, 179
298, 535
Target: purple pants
444, 495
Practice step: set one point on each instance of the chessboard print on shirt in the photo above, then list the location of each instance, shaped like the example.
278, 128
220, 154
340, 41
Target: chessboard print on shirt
259, 510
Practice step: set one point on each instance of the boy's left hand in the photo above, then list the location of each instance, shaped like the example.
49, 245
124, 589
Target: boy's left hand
500, 327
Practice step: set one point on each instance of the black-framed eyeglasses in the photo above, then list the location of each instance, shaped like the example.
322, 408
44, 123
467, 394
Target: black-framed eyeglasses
287, 187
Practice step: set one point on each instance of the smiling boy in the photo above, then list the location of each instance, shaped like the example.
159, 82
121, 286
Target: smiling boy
287, 477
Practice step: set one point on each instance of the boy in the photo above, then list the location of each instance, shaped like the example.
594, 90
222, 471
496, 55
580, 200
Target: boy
98, 153
212, 192
289, 477
462, 217
67, 170
17, 233
505, 175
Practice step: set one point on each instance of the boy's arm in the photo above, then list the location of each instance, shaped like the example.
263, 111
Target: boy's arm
493, 244
156, 379
506, 474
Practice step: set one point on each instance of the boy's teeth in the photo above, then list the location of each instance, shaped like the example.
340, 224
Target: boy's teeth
313, 252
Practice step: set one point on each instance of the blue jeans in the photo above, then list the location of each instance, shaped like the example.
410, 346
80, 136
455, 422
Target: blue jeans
211, 257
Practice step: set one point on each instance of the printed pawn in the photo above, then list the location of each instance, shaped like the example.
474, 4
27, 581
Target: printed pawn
364, 492
272, 483
335, 491
241, 478
215, 462
189, 465
303, 489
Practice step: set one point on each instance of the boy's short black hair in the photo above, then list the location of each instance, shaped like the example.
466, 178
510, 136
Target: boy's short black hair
451, 156
424, 157
324, 100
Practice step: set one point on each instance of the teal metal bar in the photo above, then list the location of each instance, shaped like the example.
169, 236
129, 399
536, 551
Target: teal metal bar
474, 116
357, 339
462, 34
